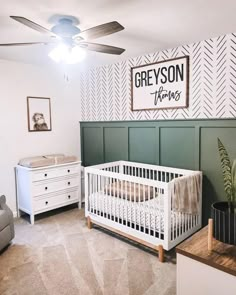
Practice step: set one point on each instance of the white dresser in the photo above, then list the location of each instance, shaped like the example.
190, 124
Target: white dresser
46, 188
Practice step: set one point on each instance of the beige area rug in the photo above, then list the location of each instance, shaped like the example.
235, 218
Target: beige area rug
59, 255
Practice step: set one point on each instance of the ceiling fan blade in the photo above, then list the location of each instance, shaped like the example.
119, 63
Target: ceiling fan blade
33, 25
101, 48
100, 31
23, 44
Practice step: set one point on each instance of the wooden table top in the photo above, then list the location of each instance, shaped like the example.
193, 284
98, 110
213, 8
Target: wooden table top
222, 257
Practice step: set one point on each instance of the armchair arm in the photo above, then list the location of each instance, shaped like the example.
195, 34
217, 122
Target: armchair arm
3, 206
2, 202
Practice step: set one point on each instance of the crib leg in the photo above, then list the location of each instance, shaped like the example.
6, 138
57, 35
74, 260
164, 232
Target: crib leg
161, 253
89, 223
210, 234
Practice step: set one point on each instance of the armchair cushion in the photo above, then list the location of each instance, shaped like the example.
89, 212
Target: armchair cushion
2, 201
6, 223
4, 219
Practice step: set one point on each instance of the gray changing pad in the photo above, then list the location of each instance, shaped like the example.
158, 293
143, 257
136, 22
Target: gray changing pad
47, 160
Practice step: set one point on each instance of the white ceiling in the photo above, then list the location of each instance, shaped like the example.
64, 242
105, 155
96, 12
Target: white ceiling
150, 25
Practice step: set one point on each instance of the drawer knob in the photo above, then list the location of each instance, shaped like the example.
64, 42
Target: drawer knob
68, 170
46, 202
69, 197
46, 188
45, 175
68, 182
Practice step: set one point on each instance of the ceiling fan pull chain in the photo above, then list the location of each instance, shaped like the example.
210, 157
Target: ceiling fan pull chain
66, 77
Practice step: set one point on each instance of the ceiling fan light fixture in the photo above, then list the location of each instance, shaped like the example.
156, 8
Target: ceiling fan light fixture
58, 53
65, 54
75, 55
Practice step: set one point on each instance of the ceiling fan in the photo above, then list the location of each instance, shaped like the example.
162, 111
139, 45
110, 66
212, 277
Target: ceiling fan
66, 33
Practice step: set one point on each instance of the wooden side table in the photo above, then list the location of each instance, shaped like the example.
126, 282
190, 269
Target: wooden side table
200, 271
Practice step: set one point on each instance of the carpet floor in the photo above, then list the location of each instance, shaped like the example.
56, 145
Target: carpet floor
59, 255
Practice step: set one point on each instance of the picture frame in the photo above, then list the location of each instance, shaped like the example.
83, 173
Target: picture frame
39, 114
160, 85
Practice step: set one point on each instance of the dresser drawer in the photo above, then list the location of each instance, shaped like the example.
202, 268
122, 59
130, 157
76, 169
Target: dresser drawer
43, 204
44, 174
68, 170
45, 187
52, 173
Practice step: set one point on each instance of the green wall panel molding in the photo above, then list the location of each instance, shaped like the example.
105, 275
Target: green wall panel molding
177, 147
115, 143
189, 144
143, 145
93, 145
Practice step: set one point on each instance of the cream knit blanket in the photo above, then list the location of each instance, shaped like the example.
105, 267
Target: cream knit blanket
186, 193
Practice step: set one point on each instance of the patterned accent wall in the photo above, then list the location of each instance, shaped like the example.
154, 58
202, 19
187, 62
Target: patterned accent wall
106, 91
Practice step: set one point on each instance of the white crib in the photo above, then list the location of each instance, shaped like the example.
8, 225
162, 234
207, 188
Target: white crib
134, 200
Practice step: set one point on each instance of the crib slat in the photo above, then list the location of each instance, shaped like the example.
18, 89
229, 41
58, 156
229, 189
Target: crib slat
134, 205
122, 196
98, 195
104, 189
116, 213
93, 193
185, 222
130, 203
145, 214
126, 202
159, 213
180, 224
105, 197
177, 220
153, 213
139, 210
149, 213
110, 198
90, 193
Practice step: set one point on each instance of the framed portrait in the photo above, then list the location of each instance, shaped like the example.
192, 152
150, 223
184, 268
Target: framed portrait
39, 114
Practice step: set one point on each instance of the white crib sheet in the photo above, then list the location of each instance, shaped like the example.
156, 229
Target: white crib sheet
148, 214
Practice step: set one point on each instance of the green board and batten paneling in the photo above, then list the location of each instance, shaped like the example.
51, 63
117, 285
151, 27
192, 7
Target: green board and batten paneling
190, 144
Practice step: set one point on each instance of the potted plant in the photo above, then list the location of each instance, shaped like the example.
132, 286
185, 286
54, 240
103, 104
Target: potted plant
224, 213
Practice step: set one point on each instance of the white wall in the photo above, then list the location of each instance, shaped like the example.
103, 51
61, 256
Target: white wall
18, 81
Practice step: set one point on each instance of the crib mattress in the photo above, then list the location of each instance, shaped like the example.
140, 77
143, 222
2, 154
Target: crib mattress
148, 214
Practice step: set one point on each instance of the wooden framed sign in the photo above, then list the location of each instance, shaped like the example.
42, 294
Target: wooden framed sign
161, 85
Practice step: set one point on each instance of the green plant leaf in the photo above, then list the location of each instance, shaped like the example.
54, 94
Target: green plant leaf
226, 169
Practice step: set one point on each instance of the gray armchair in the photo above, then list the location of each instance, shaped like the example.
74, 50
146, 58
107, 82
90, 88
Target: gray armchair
7, 232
